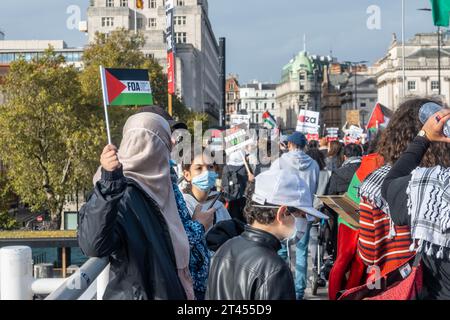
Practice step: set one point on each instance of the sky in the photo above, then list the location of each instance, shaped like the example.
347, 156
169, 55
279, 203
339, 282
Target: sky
262, 35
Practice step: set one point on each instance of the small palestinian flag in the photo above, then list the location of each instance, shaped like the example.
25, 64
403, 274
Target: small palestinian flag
269, 120
126, 87
380, 118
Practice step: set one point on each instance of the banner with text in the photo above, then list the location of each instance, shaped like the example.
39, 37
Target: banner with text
308, 122
170, 46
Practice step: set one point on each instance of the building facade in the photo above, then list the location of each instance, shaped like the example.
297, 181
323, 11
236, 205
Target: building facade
421, 70
257, 98
331, 112
360, 93
232, 96
300, 87
197, 50
11, 50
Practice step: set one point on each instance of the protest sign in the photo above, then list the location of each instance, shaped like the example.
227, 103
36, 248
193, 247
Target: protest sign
308, 122
237, 138
353, 117
237, 119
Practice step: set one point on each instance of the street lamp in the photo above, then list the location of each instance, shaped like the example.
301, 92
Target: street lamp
355, 74
439, 50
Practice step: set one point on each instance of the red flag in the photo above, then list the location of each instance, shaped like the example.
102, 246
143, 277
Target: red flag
377, 118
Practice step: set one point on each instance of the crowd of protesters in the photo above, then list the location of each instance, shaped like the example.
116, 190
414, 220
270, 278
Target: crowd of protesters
241, 230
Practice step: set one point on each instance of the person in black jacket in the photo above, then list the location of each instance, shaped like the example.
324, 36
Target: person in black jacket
436, 272
132, 219
248, 266
340, 178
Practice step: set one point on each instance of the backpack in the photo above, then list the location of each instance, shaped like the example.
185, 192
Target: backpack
234, 182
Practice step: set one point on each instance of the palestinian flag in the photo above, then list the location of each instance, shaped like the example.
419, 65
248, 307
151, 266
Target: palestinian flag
441, 12
380, 118
126, 87
269, 120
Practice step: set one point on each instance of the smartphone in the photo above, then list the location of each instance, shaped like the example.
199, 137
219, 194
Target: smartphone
216, 198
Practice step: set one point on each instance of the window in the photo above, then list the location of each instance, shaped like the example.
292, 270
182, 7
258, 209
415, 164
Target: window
124, 3
180, 21
302, 76
273, 106
110, 3
411, 85
257, 118
107, 22
435, 85
150, 55
140, 23
302, 87
152, 4
363, 104
152, 22
246, 106
180, 37
231, 86
265, 106
257, 106
180, 3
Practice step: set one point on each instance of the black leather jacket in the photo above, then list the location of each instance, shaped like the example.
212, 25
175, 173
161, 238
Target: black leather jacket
121, 222
248, 268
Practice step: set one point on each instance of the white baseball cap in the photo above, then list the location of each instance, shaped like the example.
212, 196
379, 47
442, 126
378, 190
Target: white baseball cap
283, 187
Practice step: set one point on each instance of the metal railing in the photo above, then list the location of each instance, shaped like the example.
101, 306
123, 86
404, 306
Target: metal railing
17, 283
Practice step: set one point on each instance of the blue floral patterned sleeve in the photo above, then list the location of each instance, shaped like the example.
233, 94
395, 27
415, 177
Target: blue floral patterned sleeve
199, 253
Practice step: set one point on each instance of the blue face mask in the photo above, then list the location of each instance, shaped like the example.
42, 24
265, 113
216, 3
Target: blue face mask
206, 181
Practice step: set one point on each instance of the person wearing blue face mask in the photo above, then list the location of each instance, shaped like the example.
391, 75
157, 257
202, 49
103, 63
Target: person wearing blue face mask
199, 194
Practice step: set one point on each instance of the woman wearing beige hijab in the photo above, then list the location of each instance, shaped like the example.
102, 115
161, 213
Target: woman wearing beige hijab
132, 217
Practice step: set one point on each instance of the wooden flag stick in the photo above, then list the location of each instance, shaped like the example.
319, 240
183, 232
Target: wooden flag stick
246, 164
105, 102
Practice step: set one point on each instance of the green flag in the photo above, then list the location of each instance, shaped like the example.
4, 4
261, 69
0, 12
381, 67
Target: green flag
441, 12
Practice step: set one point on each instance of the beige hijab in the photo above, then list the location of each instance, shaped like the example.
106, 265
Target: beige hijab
145, 154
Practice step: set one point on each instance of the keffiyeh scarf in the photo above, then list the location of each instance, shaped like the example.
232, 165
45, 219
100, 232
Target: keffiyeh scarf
370, 189
429, 208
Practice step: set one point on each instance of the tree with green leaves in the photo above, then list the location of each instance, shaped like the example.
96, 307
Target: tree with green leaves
50, 140
6, 197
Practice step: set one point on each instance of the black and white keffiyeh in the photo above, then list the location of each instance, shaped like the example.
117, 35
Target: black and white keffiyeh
429, 208
370, 189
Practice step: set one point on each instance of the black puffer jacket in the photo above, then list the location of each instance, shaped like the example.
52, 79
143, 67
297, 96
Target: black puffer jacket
340, 178
248, 268
122, 222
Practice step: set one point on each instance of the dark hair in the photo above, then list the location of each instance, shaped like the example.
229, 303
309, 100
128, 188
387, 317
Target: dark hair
313, 144
353, 150
253, 214
401, 131
335, 148
336, 151
318, 156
